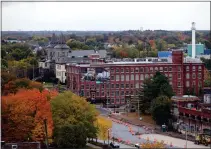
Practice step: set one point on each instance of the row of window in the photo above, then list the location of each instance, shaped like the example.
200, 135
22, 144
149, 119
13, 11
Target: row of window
193, 83
193, 68
112, 93
193, 76
142, 69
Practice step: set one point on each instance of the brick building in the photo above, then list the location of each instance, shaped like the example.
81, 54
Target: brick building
191, 113
112, 81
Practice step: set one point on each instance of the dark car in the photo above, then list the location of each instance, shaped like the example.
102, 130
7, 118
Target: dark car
114, 145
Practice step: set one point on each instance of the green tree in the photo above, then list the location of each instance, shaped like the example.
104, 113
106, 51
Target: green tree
69, 109
161, 110
71, 136
152, 88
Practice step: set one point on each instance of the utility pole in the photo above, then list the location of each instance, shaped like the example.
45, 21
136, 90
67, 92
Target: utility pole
46, 133
186, 137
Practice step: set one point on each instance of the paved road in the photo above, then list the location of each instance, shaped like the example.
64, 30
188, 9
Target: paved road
122, 131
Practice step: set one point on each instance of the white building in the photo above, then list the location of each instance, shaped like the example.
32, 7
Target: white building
61, 72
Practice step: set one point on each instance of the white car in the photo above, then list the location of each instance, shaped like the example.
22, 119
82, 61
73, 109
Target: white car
137, 145
114, 145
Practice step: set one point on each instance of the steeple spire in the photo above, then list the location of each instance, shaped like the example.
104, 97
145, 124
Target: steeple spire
62, 39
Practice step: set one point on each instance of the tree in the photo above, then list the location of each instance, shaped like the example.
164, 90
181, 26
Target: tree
23, 115
152, 88
69, 109
104, 125
161, 110
71, 136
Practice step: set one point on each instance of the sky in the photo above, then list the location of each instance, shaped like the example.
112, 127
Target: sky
104, 16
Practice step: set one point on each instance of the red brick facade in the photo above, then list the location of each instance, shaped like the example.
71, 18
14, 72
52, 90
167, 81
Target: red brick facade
127, 78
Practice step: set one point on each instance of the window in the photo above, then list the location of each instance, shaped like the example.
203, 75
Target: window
123, 100
199, 75
127, 78
108, 93
122, 69
178, 84
107, 86
199, 68
193, 76
141, 69
117, 69
122, 93
137, 85
165, 69
127, 85
87, 93
132, 69
179, 76
127, 70
187, 83
170, 76
97, 94
112, 85
112, 93
132, 77
102, 93
170, 82
151, 75
194, 68
137, 77
146, 76
117, 93
146, 69
137, 70
156, 68
161, 68
131, 85
112, 100
58, 66
82, 86
187, 76
122, 77
87, 86
170, 68
112, 69
97, 86
142, 77
187, 68
112, 77
117, 77
102, 85
200, 84
117, 100
122, 85
117, 85
193, 83
151, 69
179, 68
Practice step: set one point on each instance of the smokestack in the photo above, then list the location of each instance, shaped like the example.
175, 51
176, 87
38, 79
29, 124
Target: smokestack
193, 40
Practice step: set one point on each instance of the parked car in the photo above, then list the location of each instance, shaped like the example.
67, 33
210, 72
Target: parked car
114, 145
137, 145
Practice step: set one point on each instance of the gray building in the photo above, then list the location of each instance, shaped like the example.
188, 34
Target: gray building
57, 50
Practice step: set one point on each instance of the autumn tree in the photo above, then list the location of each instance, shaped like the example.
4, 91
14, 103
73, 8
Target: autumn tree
70, 110
104, 125
23, 114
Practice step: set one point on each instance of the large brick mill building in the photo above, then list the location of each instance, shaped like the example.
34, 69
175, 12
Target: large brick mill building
115, 80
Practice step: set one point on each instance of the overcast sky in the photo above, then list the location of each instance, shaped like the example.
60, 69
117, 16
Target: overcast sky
106, 16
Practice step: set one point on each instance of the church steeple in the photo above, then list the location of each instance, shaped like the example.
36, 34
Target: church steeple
62, 39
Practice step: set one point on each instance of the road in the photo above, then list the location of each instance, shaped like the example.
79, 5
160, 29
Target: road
121, 131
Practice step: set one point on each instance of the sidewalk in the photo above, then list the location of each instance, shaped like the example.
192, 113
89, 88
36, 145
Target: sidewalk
93, 146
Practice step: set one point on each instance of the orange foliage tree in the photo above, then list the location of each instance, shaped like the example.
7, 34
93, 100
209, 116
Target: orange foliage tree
23, 114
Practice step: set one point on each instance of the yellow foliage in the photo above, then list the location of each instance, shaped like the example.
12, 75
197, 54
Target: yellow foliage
153, 145
103, 125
